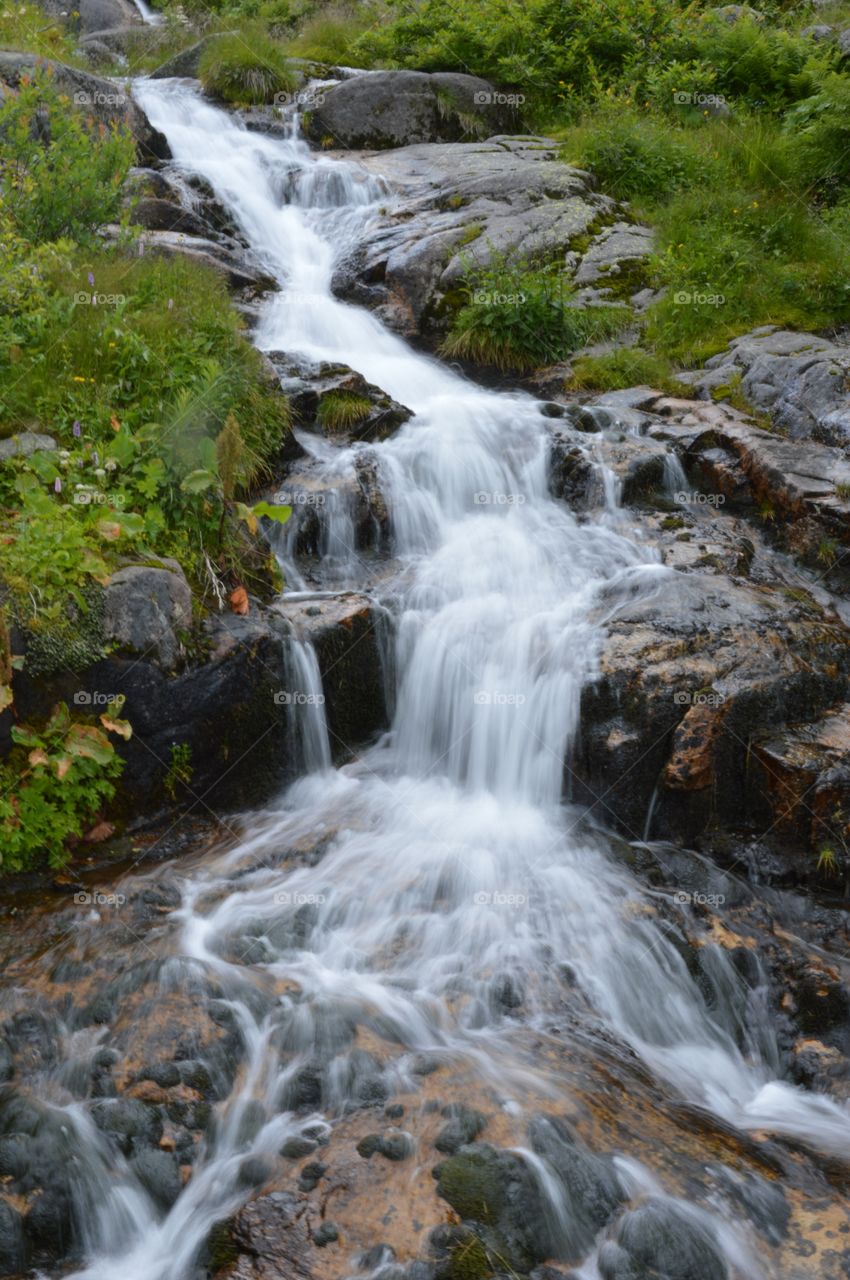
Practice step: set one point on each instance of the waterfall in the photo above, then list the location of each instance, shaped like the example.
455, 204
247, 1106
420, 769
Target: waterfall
450, 872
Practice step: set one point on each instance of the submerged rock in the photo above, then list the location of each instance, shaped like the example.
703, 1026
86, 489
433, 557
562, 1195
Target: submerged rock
660, 1240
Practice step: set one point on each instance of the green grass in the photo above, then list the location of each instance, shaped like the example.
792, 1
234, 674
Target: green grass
29, 29
341, 409
246, 69
625, 367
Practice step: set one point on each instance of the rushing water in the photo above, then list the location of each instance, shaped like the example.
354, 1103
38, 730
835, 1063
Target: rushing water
454, 884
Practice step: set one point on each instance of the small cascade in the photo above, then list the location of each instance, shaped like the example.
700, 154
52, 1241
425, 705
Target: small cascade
304, 703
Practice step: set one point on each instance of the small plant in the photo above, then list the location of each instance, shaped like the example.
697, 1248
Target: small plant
626, 367
53, 785
827, 552
519, 318
341, 409
828, 861
180, 770
842, 491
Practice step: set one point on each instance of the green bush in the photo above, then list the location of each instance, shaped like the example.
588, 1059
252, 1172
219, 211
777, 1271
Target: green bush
632, 154
820, 129
246, 68
332, 36
59, 177
519, 318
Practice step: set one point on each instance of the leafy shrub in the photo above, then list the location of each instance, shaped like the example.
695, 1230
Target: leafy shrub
58, 177
820, 128
245, 68
632, 154
519, 318
53, 785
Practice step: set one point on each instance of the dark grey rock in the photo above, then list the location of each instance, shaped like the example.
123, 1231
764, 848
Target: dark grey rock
399, 108
159, 1174
146, 609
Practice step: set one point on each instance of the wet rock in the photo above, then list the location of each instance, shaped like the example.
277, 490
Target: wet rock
12, 1254
337, 402
298, 1147
159, 1174
823, 1003
270, 1238
591, 1190
311, 1175
396, 108
465, 1124
495, 1190
49, 1223
662, 1239
155, 214
33, 1040
327, 1233
345, 633
392, 1146
461, 203
130, 1123
100, 98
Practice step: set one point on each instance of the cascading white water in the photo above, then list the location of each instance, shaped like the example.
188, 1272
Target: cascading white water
452, 874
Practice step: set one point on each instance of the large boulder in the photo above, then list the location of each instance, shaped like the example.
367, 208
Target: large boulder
145, 610
460, 205
227, 712
103, 15
799, 379
106, 101
719, 707
399, 108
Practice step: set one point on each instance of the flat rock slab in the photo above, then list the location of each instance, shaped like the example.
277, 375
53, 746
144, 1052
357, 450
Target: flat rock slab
799, 379
459, 204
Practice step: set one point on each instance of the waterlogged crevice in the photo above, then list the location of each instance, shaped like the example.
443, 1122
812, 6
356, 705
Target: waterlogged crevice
430, 917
